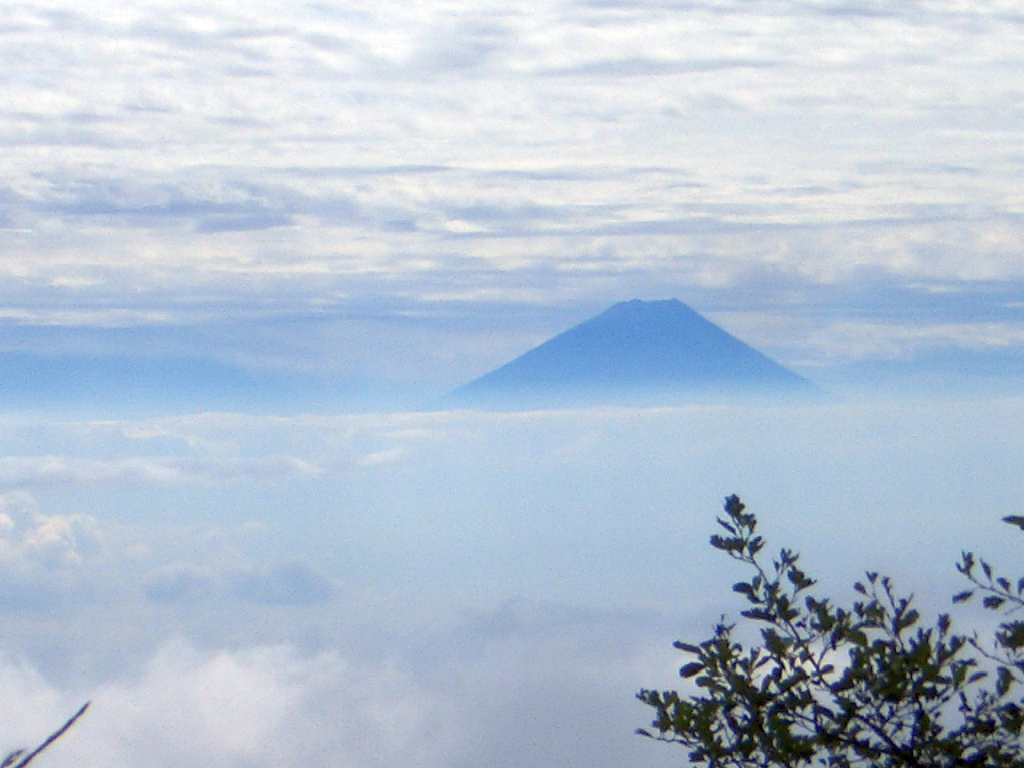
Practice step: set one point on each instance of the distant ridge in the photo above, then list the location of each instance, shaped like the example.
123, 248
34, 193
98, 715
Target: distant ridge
636, 352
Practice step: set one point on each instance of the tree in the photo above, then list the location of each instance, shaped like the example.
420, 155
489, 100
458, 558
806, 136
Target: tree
868, 685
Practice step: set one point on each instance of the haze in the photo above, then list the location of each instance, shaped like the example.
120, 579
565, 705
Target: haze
241, 248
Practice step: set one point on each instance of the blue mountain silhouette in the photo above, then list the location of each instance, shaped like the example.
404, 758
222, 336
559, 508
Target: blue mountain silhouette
636, 352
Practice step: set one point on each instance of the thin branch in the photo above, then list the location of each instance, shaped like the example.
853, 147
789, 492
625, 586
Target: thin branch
53, 737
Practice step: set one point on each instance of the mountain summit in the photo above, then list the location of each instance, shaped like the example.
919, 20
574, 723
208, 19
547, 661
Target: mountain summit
638, 353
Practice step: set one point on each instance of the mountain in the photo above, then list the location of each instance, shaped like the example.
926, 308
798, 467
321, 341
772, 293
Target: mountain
636, 352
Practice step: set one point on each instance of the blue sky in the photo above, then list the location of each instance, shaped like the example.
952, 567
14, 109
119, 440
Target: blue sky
351, 208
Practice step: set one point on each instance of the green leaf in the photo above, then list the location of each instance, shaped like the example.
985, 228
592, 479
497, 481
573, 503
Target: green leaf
686, 647
774, 643
857, 637
1011, 635
908, 619
743, 588
1004, 679
799, 579
691, 669
727, 545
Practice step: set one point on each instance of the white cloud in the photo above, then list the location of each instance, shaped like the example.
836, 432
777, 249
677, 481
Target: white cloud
43, 557
536, 686
53, 541
381, 457
215, 163
228, 709
19, 471
50, 557
850, 341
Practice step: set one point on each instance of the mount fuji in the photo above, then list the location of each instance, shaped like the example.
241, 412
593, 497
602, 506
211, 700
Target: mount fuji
634, 353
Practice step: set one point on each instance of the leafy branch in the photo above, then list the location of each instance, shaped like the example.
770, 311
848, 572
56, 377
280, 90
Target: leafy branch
868, 685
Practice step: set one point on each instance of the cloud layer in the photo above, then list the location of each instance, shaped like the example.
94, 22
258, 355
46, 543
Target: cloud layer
449, 589
177, 166
534, 692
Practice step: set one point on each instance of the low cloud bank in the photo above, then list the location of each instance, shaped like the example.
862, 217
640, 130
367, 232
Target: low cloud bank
525, 686
26, 471
255, 707
408, 662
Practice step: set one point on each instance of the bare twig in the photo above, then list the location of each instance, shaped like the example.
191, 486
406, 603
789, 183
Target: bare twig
53, 737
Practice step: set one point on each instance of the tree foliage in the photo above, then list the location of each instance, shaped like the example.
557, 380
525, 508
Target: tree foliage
867, 685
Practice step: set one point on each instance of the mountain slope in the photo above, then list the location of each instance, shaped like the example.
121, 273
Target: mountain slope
643, 352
